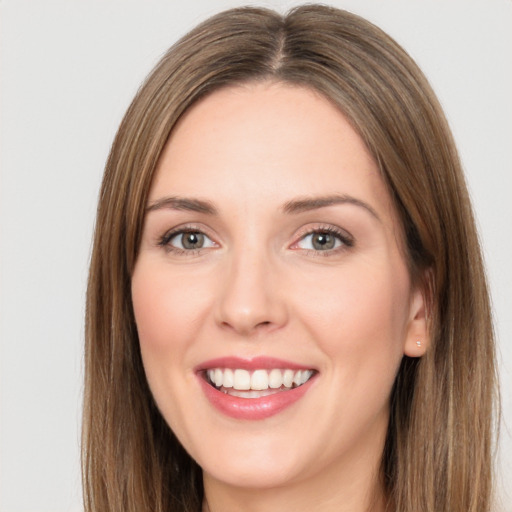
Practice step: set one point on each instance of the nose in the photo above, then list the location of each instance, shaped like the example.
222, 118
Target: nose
251, 300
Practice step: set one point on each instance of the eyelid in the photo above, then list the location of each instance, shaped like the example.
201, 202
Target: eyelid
344, 236
164, 240
347, 240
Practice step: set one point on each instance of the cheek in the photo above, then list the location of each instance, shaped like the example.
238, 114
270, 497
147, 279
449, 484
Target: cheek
168, 310
151, 305
359, 315
166, 307
361, 327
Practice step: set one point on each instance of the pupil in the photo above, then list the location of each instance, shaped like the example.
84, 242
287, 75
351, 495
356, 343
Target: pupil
193, 240
323, 241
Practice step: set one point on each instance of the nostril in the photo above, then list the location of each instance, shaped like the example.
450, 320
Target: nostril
263, 325
249, 329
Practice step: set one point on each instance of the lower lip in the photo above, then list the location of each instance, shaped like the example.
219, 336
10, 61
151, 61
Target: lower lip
253, 408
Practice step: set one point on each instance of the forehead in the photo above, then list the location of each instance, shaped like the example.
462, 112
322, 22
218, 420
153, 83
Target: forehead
266, 142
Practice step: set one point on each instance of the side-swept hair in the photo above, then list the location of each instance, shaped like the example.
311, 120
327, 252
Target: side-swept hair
438, 453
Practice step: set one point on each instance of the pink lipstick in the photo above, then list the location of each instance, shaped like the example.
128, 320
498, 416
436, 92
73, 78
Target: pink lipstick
253, 389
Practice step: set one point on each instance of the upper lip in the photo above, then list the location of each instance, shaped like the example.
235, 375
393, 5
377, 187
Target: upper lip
250, 364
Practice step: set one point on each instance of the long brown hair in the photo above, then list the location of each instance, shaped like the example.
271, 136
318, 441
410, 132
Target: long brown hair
438, 453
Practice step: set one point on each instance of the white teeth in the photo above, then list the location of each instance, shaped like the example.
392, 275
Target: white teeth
275, 378
219, 377
288, 378
228, 378
251, 393
259, 380
241, 380
305, 376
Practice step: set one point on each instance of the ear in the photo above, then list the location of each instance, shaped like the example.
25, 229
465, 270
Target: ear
417, 337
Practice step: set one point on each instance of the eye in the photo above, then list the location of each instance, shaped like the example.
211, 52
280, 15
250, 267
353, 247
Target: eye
187, 240
324, 240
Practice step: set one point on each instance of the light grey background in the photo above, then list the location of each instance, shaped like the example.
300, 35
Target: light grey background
68, 71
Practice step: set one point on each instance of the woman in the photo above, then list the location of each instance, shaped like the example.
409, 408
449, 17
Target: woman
287, 306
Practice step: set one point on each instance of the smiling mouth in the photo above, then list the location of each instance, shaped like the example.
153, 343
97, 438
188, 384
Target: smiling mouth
258, 383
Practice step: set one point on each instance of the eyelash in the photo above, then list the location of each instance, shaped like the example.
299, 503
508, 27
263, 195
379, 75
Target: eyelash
164, 241
346, 240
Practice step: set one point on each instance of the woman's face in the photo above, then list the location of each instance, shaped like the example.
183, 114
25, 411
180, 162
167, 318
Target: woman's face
271, 263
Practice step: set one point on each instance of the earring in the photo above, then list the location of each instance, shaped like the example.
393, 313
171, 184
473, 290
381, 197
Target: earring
418, 343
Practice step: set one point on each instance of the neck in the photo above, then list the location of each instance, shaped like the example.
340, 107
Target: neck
334, 491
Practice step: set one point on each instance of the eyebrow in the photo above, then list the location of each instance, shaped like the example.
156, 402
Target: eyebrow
313, 203
183, 203
291, 207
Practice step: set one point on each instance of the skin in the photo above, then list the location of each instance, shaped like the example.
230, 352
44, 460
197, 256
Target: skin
258, 287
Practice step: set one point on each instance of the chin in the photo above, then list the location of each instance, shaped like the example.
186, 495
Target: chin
262, 473
251, 459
